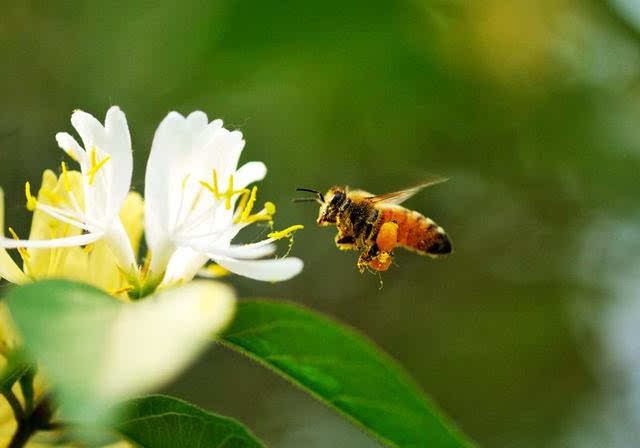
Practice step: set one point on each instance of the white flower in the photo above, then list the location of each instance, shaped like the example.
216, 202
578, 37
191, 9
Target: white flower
106, 165
192, 185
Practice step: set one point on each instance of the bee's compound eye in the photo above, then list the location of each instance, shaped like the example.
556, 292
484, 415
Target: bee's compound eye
338, 196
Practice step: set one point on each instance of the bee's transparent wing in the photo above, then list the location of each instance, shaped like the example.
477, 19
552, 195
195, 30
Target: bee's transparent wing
398, 197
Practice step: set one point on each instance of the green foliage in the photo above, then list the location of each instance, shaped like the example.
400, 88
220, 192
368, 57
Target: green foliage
159, 421
65, 327
16, 368
343, 369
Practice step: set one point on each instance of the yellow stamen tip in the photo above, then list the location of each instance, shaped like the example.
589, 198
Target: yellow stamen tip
270, 208
286, 232
32, 203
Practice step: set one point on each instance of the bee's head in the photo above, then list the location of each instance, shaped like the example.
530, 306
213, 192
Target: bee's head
329, 203
330, 207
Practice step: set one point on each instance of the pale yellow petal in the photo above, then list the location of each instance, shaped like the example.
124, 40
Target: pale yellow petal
154, 339
102, 271
9, 270
44, 263
132, 215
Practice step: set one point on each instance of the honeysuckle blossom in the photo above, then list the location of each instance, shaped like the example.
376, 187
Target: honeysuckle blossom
192, 187
106, 164
87, 227
94, 264
150, 341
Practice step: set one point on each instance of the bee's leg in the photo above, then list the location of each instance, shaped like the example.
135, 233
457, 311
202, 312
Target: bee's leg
363, 262
366, 256
345, 242
376, 259
381, 262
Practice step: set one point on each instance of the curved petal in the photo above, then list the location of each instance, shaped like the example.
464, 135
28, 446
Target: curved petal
246, 252
276, 270
9, 270
89, 128
154, 339
69, 145
118, 146
168, 141
79, 240
249, 173
197, 120
184, 265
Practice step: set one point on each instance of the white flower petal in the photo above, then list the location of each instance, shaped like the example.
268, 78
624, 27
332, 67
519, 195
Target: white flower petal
118, 146
168, 142
89, 128
197, 120
78, 240
154, 339
276, 270
246, 251
184, 265
249, 173
69, 145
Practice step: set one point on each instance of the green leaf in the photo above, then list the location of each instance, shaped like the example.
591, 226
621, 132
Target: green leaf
343, 369
17, 366
158, 421
65, 327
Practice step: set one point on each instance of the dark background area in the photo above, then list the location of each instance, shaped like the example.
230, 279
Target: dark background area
527, 336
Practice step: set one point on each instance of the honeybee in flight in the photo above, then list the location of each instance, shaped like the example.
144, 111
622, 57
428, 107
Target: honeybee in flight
376, 225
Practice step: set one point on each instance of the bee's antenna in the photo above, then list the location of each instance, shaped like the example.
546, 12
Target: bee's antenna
320, 196
306, 200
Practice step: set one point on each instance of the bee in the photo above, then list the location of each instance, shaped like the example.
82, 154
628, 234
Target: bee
376, 225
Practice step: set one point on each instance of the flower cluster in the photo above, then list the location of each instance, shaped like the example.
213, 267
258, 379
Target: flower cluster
196, 201
87, 226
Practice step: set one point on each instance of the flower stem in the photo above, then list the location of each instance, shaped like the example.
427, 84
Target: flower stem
39, 419
22, 435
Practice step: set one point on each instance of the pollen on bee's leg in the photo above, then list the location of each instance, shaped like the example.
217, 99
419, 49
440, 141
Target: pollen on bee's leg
381, 262
387, 236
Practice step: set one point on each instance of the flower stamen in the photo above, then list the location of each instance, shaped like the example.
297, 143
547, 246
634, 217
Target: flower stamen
24, 254
228, 194
65, 177
117, 292
285, 232
96, 165
32, 202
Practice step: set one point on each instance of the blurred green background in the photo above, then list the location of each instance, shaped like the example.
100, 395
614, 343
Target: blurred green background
528, 335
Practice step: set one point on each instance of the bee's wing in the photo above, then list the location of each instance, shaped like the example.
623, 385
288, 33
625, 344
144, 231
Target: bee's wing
398, 197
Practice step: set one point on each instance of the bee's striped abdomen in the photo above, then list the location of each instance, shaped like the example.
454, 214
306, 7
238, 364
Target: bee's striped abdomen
417, 232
